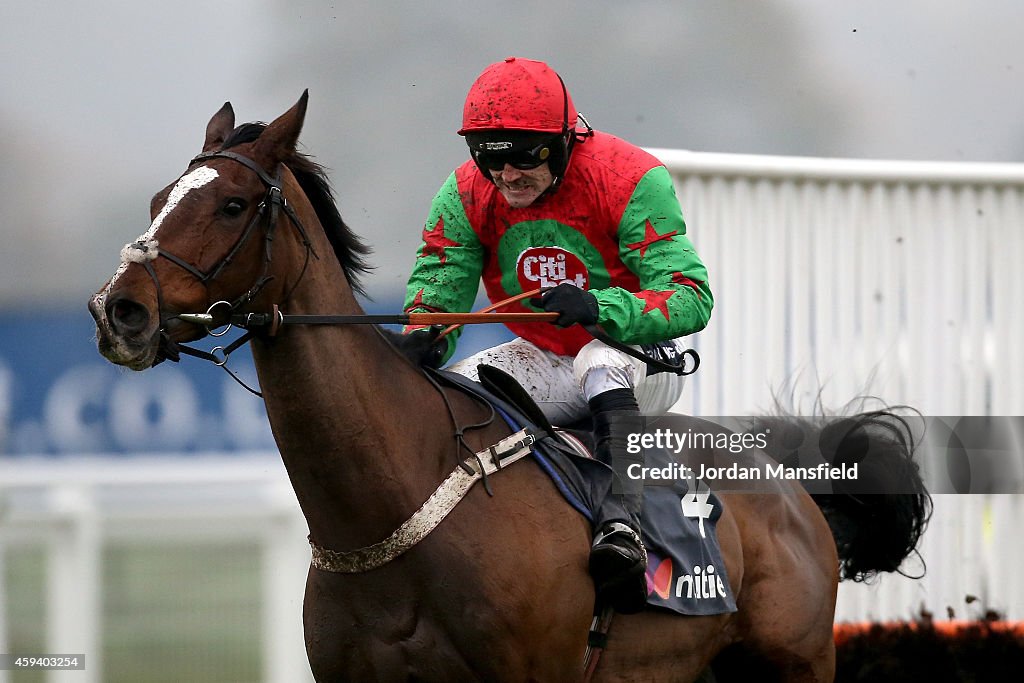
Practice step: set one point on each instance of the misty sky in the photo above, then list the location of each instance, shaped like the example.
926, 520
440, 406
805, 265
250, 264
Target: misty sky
104, 102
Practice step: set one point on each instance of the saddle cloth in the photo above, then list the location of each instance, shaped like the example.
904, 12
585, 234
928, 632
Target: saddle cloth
685, 571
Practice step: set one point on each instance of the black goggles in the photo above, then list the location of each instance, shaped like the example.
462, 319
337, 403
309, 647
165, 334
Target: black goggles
523, 160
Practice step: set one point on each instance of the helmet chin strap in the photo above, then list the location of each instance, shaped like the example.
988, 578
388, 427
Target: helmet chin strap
573, 138
569, 137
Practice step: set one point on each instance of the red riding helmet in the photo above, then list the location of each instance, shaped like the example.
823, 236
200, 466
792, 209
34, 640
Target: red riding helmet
521, 104
518, 94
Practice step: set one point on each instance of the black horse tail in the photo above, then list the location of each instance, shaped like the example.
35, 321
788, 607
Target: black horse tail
878, 518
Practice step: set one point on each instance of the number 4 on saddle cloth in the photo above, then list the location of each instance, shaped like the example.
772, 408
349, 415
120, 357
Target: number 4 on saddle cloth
685, 570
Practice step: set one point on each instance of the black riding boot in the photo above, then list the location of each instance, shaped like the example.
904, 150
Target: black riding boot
618, 560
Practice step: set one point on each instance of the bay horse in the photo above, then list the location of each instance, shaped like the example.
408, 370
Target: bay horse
499, 591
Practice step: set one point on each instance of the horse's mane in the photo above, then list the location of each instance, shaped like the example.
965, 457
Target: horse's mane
350, 250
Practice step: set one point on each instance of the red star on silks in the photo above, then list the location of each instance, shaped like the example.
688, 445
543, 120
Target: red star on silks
655, 301
650, 237
434, 241
418, 304
681, 279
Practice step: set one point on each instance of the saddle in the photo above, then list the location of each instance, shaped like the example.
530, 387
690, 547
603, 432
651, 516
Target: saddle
685, 573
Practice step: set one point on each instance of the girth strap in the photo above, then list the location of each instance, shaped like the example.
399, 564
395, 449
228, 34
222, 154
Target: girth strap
441, 502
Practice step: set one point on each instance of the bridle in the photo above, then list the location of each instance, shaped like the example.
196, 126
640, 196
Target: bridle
270, 209
273, 203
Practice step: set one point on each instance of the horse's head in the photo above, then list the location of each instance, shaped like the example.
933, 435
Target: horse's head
240, 226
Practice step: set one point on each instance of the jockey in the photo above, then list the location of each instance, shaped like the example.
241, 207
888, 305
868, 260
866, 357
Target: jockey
547, 202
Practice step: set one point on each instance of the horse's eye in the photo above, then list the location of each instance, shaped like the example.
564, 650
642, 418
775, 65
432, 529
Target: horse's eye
233, 207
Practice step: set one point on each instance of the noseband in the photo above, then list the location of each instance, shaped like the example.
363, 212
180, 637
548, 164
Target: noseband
270, 207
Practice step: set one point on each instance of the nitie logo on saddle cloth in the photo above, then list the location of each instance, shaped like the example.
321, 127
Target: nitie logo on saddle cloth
685, 570
550, 266
698, 582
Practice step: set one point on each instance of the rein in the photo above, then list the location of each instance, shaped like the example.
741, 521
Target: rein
220, 315
277, 318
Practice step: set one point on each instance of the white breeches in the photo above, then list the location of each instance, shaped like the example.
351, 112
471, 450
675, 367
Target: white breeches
562, 385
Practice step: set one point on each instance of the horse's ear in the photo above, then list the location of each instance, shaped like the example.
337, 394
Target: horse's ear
219, 127
278, 141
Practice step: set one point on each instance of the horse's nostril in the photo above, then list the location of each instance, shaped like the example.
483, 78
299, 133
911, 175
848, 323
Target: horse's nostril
96, 308
127, 317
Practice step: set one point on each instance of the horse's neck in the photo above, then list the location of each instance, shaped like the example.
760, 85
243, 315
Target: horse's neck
361, 432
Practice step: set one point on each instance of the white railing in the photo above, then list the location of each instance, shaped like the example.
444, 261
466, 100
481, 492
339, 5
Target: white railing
899, 279
73, 507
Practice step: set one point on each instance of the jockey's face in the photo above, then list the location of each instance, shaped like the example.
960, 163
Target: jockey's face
521, 188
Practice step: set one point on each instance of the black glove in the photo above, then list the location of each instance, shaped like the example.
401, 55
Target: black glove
575, 305
422, 347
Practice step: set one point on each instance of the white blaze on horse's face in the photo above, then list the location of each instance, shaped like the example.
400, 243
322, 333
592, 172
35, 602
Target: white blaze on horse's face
188, 182
132, 254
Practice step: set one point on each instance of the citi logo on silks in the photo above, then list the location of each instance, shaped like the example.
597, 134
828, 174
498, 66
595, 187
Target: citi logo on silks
549, 267
704, 583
